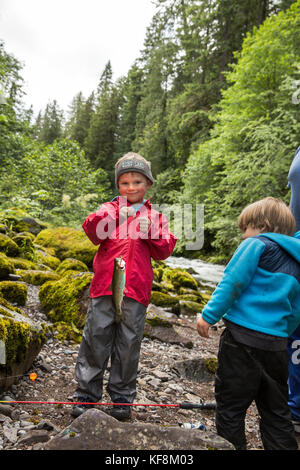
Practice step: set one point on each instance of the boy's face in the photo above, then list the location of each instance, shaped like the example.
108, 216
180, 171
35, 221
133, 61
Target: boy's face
134, 186
251, 232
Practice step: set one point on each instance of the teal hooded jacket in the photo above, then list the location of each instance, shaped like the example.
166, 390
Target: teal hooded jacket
260, 288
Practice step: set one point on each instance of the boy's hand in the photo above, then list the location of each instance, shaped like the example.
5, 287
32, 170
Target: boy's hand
202, 327
126, 211
144, 224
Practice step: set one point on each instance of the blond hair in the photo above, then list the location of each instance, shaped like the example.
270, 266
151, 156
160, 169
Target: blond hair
269, 215
129, 156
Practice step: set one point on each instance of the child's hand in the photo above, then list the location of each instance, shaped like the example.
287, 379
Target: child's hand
202, 327
126, 211
144, 224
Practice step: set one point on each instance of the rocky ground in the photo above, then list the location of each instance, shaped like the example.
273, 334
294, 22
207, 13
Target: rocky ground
160, 381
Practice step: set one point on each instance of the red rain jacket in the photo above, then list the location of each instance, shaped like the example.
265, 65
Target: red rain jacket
136, 248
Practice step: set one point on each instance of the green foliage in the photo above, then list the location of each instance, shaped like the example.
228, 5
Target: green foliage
56, 182
256, 130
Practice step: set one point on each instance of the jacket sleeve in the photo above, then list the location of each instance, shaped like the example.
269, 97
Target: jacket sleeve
99, 225
237, 276
159, 238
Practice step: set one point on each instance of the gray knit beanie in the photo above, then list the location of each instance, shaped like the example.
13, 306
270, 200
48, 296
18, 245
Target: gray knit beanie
133, 164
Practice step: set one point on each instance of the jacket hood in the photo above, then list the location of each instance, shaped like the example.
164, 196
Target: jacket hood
290, 244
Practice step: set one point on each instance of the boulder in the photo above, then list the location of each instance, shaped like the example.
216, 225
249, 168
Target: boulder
46, 257
14, 292
8, 246
71, 264
25, 243
66, 300
96, 430
187, 307
68, 243
6, 267
19, 220
196, 370
36, 277
165, 300
22, 339
179, 278
20, 263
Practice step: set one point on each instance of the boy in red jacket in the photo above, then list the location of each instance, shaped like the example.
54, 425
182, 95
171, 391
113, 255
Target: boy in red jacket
130, 228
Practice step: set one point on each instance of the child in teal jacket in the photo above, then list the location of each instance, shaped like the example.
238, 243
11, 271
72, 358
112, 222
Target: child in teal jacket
259, 301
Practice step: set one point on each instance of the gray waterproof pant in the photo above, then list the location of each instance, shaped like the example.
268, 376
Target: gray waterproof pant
103, 339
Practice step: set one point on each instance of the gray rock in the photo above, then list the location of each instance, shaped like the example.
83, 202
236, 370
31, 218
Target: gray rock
34, 436
6, 409
95, 430
11, 434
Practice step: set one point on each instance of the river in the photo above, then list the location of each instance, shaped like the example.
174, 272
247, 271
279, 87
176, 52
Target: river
207, 273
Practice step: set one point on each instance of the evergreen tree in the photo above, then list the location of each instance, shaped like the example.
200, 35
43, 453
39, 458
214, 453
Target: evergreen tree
101, 139
52, 123
131, 93
80, 114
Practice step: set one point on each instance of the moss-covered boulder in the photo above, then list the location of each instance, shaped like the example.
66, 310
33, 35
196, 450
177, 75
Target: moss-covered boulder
189, 297
155, 318
67, 299
19, 220
165, 300
68, 243
187, 307
6, 267
46, 257
8, 246
21, 340
14, 292
25, 243
179, 278
21, 263
37, 277
71, 264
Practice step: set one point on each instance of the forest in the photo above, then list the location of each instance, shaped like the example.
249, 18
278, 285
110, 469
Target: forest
212, 101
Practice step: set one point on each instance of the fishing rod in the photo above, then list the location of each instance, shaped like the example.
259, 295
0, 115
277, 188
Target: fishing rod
184, 405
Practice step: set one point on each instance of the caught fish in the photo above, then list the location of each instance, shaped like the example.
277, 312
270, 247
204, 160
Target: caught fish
118, 286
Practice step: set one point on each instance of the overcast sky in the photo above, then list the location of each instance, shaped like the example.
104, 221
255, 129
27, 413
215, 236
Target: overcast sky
64, 45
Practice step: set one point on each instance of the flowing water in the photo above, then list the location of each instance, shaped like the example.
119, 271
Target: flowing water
207, 273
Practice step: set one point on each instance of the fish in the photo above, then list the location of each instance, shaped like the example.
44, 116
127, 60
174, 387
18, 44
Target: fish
118, 287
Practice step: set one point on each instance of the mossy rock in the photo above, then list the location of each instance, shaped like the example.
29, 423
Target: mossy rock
157, 319
5, 306
65, 332
36, 277
25, 243
188, 307
19, 220
71, 264
21, 263
44, 258
8, 246
189, 297
6, 266
159, 287
14, 292
22, 339
179, 278
165, 300
65, 299
68, 243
